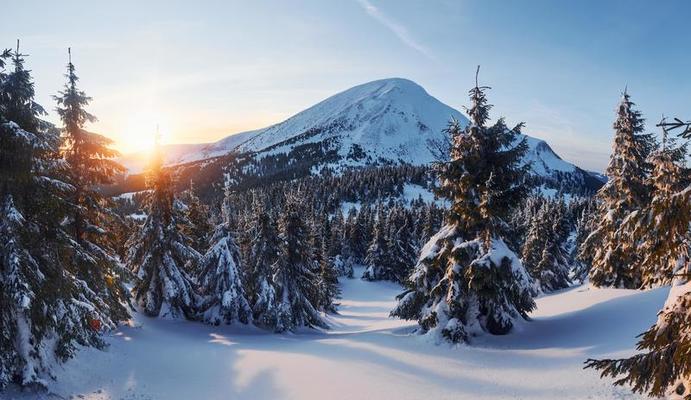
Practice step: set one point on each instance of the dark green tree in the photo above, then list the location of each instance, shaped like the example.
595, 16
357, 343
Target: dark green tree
89, 165
467, 281
160, 255
615, 258
297, 290
663, 366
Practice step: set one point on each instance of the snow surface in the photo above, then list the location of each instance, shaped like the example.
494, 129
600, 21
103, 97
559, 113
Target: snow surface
367, 355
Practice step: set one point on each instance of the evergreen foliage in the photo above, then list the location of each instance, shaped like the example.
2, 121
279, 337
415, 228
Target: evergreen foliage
294, 277
615, 258
160, 255
261, 256
90, 164
221, 287
48, 305
467, 281
544, 254
198, 229
661, 230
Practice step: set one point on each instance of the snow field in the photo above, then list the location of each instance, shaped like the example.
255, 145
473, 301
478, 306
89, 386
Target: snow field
367, 355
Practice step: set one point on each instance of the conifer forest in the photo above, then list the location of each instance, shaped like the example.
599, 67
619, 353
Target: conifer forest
378, 244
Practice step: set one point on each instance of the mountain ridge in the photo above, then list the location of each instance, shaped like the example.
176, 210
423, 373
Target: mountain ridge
386, 121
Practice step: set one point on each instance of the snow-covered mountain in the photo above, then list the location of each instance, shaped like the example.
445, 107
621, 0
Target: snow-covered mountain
387, 121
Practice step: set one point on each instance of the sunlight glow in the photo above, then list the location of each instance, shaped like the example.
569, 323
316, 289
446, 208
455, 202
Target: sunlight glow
139, 131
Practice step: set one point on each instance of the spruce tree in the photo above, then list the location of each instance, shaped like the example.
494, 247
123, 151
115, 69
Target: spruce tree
544, 253
614, 255
584, 226
46, 311
198, 229
399, 244
90, 164
663, 366
297, 292
656, 229
467, 281
329, 289
377, 261
262, 255
160, 255
337, 249
221, 287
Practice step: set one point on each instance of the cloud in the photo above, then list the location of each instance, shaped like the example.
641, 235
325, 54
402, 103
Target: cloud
397, 29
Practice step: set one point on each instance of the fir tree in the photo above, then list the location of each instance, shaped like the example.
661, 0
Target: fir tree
222, 291
297, 292
467, 281
90, 164
377, 260
656, 229
328, 276
337, 249
614, 254
263, 253
160, 255
584, 226
399, 244
46, 311
664, 365
544, 253
199, 228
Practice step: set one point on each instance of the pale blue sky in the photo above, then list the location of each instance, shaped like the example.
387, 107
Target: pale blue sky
205, 69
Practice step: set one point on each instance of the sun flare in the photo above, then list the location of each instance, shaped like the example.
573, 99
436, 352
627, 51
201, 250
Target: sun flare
139, 134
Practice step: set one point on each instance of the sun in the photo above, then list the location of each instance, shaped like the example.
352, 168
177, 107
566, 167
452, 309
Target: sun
139, 133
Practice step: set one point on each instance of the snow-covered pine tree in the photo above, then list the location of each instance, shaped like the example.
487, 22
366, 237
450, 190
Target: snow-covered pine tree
655, 228
400, 244
378, 264
537, 230
544, 253
45, 310
159, 253
90, 164
664, 365
336, 248
198, 229
263, 253
358, 234
552, 271
614, 255
467, 281
297, 291
351, 235
584, 223
221, 288
429, 226
329, 289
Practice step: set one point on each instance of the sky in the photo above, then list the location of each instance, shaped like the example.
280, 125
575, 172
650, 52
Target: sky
205, 69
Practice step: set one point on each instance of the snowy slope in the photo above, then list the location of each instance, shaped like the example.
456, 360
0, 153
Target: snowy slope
368, 355
222, 147
390, 119
384, 121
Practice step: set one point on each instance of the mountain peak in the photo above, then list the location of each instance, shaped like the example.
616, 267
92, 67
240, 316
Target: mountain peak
386, 121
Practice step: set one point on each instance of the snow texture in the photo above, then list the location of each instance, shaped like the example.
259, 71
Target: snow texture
367, 355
